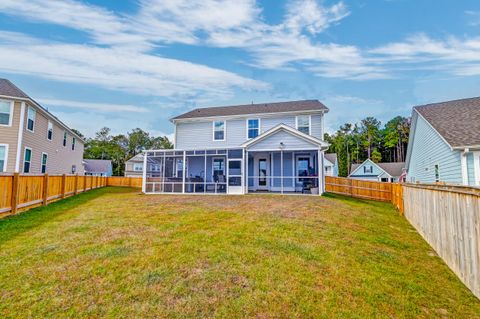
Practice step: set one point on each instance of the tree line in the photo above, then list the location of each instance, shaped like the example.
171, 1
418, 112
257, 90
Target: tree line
354, 143
120, 148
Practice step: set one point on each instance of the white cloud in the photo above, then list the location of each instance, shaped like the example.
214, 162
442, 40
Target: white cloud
99, 107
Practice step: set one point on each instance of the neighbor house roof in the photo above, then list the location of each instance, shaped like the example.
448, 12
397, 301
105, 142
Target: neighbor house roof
277, 107
393, 169
458, 122
136, 158
8, 89
332, 157
97, 166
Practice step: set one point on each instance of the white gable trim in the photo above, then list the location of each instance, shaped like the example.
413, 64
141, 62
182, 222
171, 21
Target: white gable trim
288, 129
371, 162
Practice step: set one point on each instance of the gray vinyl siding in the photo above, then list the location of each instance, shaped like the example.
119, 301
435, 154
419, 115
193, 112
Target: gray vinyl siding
429, 149
360, 172
199, 134
290, 141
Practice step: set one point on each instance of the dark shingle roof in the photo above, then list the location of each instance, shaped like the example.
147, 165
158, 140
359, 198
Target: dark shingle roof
332, 157
394, 169
97, 166
458, 122
7, 88
291, 106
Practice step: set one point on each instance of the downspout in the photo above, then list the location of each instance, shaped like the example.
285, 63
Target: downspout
463, 158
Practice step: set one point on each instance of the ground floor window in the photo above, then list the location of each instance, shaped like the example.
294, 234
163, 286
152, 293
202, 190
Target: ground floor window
304, 167
3, 158
26, 160
218, 168
44, 162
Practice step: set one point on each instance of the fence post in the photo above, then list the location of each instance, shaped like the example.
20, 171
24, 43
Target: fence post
84, 183
75, 192
45, 190
64, 184
15, 187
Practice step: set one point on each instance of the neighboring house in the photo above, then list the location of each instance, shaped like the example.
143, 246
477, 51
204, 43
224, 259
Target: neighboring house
134, 167
331, 165
32, 140
273, 147
444, 144
96, 167
380, 172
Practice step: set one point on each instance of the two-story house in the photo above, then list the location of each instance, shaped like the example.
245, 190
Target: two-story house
32, 140
273, 147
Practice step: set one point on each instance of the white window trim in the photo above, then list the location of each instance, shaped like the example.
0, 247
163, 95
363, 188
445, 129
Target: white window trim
41, 163
48, 124
259, 127
134, 164
476, 165
34, 121
224, 159
31, 157
10, 118
309, 123
224, 130
5, 162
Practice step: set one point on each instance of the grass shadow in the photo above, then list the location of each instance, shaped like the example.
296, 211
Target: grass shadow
14, 225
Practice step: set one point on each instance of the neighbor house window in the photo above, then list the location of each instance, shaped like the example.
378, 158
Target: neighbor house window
219, 130
74, 169
253, 127
50, 131
73, 143
27, 160
368, 169
138, 167
31, 116
437, 173
3, 157
44, 162
303, 123
6, 108
64, 138
218, 167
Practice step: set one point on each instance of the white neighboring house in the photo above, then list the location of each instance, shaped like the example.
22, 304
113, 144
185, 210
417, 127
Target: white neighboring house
331, 165
134, 167
444, 144
380, 172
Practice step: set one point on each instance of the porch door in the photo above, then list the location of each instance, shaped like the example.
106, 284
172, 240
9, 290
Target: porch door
235, 176
262, 173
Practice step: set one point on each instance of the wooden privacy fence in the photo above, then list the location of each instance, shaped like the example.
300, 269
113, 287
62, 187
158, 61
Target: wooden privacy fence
125, 181
387, 192
21, 192
448, 218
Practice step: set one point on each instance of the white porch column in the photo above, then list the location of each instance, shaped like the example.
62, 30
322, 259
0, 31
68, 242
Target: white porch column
184, 166
281, 171
244, 171
144, 173
321, 172
205, 172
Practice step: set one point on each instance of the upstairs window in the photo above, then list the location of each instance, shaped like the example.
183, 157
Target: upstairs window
303, 124
50, 131
368, 169
138, 167
3, 158
73, 143
6, 110
253, 127
44, 162
64, 138
27, 160
31, 116
219, 131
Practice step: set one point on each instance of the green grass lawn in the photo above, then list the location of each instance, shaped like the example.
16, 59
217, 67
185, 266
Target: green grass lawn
116, 253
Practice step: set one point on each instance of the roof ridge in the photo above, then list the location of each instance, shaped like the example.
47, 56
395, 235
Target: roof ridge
444, 102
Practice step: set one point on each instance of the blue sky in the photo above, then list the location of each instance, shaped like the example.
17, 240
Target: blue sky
127, 64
